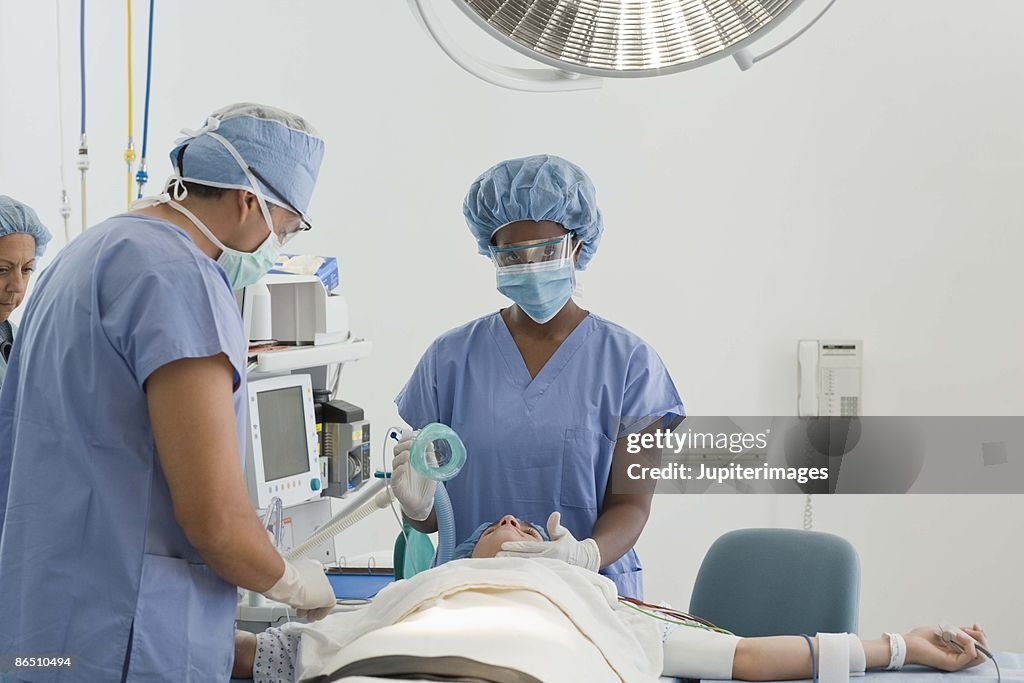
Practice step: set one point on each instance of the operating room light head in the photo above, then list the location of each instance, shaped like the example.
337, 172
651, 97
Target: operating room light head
508, 528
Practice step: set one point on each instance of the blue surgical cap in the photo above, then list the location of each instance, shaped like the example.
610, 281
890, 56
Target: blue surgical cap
537, 188
465, 549
281, 147
17, 217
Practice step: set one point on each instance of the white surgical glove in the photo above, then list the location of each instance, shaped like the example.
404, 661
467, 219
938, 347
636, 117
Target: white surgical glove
305, 587
415, 493
562, 546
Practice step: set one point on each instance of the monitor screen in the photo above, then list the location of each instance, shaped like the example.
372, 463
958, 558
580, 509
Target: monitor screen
283, 433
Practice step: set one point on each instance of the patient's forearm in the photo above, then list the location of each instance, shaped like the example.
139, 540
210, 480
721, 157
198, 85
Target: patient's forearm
245, 654
779, 658
775, 658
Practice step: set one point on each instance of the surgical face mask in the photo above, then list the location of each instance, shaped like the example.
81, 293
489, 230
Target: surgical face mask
540, 289
246, 268
241, 267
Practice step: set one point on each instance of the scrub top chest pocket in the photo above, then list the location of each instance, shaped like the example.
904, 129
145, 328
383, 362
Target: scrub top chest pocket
586, 463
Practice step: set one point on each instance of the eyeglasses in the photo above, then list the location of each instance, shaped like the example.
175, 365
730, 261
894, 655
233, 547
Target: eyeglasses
304, 225
534, 251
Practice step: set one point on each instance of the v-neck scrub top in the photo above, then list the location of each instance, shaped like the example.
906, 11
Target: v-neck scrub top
536, 445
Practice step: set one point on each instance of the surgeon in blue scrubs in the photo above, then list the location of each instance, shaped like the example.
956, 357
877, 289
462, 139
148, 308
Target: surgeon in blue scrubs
125, 520
23, 240
543, 393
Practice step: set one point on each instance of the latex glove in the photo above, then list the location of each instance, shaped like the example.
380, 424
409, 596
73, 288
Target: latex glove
562, 546
415, 493
305, 587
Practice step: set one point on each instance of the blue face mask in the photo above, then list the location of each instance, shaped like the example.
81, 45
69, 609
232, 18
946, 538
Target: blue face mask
540, 289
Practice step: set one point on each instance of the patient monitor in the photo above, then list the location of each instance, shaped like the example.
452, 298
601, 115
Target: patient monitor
282, 457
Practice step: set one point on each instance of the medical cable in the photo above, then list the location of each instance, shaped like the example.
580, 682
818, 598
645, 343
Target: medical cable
984, 651
387, 479
668, 610
142, 175
83, 146
814, 659
999, 675
129, 150
65, 201
671, 616
336, 384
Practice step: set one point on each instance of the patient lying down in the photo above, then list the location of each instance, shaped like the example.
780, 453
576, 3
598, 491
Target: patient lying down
510, 619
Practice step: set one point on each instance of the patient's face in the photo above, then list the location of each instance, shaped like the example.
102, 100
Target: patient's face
508, 528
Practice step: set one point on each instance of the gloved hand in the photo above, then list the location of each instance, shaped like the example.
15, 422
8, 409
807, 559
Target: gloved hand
305, 587
415, 492
562, 546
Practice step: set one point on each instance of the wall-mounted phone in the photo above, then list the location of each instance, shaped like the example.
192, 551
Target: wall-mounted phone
829, 382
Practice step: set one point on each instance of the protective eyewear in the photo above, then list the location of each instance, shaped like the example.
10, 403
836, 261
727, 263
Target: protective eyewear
534, 251
285, 236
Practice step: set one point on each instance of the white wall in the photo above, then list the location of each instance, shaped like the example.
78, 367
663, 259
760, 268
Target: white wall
862, 183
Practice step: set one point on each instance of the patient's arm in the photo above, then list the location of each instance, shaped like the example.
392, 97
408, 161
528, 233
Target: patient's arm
245, 654
276, 648
701, 654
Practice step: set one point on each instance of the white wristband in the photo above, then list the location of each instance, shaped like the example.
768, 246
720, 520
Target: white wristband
897, 651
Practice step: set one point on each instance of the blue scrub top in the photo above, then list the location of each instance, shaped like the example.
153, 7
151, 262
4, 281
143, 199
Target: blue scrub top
543, 444
92, 561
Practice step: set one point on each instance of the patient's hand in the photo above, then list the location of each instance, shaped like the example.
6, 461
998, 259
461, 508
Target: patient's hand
925, 646
245, 654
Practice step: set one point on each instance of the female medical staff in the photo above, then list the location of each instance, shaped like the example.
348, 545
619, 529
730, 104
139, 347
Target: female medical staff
23, 239
125, 520
543, 393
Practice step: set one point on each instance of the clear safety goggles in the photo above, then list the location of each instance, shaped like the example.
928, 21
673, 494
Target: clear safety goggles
557, 250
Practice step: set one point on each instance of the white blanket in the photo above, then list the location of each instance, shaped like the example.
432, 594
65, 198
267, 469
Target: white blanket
542, 617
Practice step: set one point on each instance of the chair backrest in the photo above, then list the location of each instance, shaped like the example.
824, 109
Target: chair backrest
767, 582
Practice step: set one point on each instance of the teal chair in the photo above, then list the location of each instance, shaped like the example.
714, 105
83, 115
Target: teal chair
769, 582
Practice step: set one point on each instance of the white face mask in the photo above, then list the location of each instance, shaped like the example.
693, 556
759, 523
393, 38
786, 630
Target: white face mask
242, 268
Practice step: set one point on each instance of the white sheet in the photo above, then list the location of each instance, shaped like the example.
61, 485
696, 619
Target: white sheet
562, 617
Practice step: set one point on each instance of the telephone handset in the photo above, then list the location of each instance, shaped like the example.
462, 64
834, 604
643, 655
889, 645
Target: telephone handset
829, 381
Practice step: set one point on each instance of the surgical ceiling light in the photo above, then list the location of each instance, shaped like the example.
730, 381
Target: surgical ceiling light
584, 41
